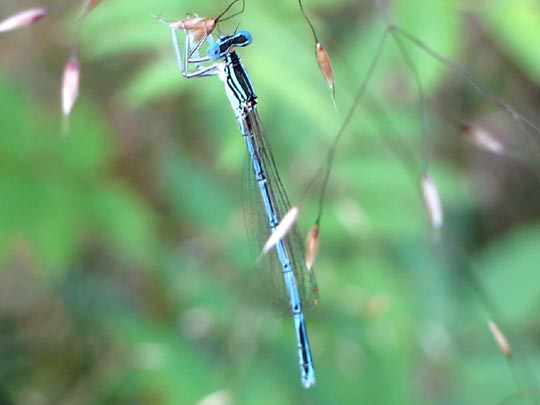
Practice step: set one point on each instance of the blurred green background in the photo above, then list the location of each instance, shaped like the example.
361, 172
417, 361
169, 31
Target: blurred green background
125, 274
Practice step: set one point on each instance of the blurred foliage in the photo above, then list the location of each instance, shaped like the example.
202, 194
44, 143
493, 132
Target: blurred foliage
125, 274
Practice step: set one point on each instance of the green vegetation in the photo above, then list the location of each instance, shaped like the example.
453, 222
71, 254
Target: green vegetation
125, 271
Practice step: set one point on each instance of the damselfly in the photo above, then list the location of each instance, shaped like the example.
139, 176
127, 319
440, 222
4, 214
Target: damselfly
287, 257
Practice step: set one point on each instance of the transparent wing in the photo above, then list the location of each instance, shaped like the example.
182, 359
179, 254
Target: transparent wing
258, 228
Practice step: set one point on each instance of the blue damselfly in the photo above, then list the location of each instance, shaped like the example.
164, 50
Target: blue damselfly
284, 265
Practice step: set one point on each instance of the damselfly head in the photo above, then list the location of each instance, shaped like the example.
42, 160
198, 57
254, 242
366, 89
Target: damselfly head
214, 51
226, 42
242, 38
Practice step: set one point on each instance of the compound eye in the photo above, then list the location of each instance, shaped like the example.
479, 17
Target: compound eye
214, 52
246, 36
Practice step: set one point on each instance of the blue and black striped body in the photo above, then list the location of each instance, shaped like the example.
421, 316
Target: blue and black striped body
244, 103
